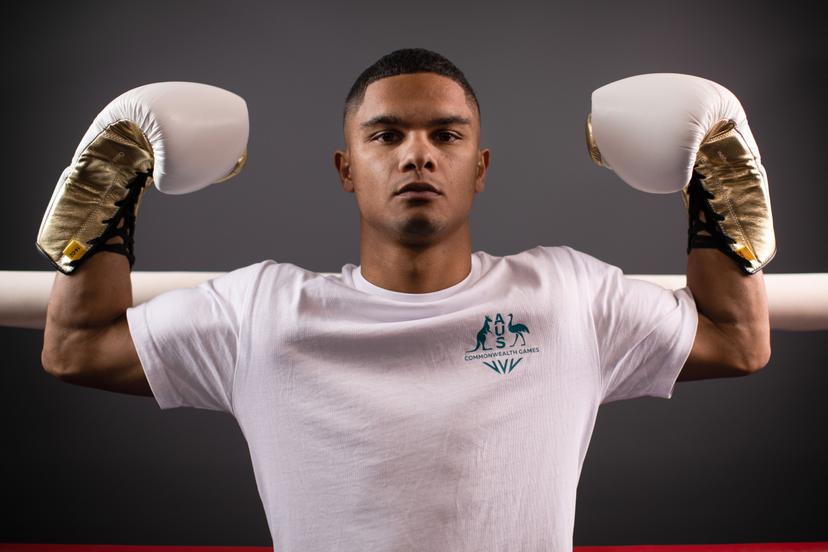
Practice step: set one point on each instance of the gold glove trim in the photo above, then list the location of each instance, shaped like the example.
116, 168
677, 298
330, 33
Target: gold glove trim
738, 194
84, 202
592, 147
242, 161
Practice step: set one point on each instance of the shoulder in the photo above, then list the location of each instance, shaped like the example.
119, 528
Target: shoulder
564, 257
238, 277
243, 281
267, 268
270, 277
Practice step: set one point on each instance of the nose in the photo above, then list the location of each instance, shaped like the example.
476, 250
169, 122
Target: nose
417, 154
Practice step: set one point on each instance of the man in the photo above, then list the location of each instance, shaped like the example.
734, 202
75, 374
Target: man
430, 398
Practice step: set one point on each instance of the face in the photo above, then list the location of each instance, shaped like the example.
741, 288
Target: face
415, 128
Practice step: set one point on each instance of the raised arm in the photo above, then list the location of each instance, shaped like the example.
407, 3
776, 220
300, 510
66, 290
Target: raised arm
181, 137
666, 132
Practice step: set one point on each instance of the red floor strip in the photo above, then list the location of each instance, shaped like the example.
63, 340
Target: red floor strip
752, 547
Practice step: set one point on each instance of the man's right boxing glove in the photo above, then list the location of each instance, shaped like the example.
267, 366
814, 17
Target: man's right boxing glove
182, 136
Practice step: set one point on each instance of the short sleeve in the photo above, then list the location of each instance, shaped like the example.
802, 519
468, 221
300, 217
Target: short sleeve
644, 332
187, 340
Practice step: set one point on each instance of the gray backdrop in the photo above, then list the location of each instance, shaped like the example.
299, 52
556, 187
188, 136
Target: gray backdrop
737, 460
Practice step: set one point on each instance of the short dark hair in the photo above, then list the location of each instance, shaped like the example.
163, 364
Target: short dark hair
404, 61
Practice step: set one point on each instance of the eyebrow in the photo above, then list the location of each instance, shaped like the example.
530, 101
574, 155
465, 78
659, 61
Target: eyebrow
394, 120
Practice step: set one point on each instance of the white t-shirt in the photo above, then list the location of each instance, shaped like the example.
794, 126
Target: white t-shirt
456, 420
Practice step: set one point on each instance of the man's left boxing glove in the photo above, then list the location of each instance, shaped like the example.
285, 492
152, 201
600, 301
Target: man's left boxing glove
181, 136
665, 132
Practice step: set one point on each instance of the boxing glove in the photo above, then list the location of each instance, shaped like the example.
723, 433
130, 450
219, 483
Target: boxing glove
667, 132
179, 136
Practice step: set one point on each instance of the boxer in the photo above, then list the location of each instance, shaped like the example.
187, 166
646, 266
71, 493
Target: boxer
432, 397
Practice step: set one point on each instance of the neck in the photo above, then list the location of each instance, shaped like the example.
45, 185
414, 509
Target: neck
416, 269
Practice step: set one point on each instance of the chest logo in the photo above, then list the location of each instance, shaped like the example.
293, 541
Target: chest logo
493, 341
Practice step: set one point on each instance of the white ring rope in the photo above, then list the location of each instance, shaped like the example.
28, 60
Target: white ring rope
796, 302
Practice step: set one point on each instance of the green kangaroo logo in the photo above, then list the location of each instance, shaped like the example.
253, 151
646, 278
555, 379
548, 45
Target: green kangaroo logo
481, 336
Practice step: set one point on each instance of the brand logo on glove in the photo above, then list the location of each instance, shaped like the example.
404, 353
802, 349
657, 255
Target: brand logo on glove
74, 250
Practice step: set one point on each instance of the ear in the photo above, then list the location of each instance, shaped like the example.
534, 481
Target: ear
343, 168
482, 166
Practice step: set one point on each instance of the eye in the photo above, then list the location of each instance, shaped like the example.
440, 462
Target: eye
381, 137
445, 136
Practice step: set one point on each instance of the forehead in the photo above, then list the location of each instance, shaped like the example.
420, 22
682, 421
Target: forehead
415, 97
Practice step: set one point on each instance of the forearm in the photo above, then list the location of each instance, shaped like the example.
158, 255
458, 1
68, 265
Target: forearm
734, 301
83, 304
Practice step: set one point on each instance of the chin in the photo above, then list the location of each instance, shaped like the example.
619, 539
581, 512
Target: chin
418, 231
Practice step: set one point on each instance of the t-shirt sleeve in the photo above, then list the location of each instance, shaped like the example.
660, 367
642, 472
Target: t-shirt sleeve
188, 340
644, 332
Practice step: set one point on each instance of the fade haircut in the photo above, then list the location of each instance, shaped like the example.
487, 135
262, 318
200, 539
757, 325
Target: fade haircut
401, 62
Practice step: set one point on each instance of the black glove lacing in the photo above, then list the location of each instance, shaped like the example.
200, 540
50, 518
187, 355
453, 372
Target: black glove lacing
126, 211
697, 199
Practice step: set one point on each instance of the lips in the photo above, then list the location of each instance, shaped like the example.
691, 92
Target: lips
417, 187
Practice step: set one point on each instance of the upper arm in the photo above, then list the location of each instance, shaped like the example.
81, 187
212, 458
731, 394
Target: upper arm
106, 358
715, 354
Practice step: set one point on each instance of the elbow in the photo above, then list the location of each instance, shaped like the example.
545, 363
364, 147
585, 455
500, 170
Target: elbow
750, 346
60, 369
50, 366
61, 352
757, 358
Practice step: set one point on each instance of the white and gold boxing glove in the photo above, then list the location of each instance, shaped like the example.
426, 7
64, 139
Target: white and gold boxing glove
181, 136
668, 132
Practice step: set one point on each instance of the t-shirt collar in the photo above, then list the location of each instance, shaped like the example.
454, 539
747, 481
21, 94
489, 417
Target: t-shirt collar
364, 285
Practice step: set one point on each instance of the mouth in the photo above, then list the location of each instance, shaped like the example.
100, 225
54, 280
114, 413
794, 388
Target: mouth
417, 190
